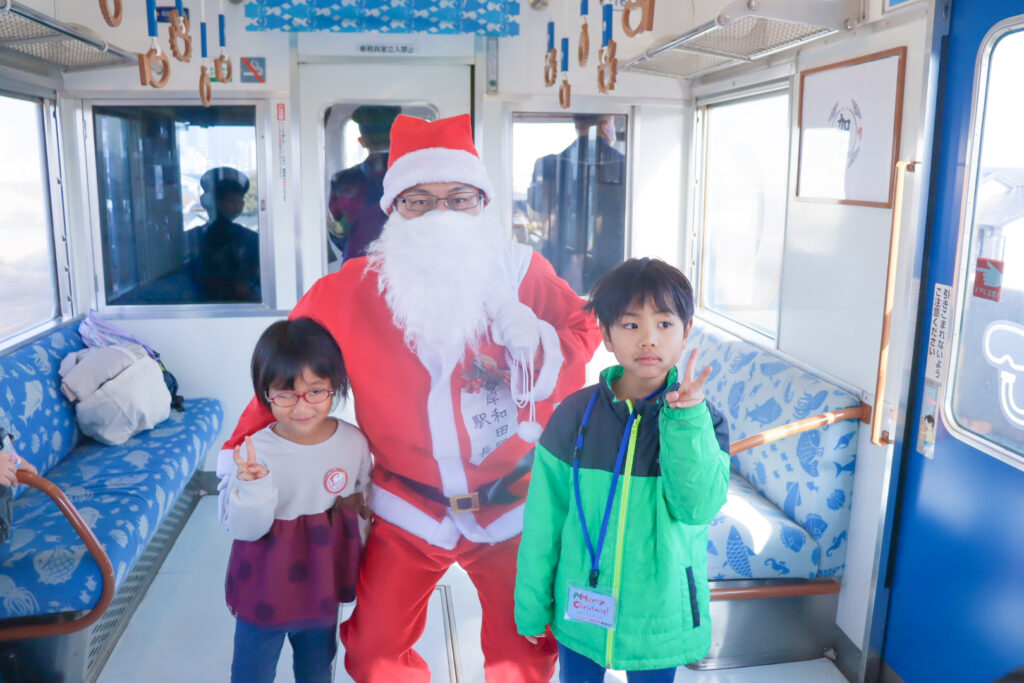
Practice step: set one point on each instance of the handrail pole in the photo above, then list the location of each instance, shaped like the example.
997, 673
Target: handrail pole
879, 437
776, 433
59, 628
788, 590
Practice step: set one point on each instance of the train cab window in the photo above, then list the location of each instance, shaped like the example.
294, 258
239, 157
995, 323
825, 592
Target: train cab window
178, 204
746, 143
356, 144
569, 191
28, 276
986, 403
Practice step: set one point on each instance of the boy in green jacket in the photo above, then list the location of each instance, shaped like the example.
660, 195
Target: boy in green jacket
626, 478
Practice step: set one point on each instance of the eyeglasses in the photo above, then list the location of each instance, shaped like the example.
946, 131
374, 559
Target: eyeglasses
287, 399
423, 202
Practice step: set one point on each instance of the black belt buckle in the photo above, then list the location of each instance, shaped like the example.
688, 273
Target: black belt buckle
469, 502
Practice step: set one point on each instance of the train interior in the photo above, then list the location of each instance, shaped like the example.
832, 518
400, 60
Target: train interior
840, 180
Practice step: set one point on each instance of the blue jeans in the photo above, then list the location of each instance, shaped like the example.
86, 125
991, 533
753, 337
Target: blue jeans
258, 649
575, 668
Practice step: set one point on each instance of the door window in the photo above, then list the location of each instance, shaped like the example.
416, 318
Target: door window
569, 191
984, 398
356, 141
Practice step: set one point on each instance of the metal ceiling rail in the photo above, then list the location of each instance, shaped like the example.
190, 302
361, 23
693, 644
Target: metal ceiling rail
29, 33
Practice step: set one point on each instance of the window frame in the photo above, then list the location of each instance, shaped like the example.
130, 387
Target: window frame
265, 216
965, 243
698, 234
57, 234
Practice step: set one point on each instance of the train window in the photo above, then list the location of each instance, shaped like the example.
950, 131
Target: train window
27, 268
178, 204
356, 142
983, 397
745, 172
569, 191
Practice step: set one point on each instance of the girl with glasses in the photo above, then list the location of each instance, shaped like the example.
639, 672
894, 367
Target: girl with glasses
292, 505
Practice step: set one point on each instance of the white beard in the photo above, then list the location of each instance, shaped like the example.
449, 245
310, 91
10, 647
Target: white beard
437, 272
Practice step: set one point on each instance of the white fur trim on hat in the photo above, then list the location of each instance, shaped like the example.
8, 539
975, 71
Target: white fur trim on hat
434, 165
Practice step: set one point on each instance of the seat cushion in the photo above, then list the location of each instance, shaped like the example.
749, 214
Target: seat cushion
752, 539
808, 476
123, 492
31, 404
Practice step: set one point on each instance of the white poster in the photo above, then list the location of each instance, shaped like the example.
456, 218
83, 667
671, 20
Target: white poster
849, 129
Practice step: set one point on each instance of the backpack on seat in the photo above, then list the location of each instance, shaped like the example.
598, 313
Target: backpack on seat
118, 391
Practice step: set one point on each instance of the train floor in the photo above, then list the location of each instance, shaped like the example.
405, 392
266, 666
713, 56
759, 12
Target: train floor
182, 630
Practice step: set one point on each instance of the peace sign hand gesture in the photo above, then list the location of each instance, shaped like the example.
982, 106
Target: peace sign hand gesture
691, 389
249, 470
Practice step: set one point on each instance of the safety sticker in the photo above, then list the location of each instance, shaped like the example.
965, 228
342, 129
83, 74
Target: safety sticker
939, 334
988, 279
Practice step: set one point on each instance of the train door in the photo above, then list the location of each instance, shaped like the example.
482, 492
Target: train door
957, 593
329, 95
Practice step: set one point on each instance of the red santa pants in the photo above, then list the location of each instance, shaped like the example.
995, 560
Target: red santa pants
399, 574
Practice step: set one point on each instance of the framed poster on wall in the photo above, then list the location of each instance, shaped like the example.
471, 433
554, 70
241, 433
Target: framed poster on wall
849, 118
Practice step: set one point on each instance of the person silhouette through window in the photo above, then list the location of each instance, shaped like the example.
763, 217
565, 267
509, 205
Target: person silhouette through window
356, 191
226, 267
578, 200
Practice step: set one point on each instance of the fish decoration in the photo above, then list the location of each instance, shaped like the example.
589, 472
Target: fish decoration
815, 525
845, 440
735, 397
793, 539
737, 552
848, 467
772, 369
836, 542
741, 360
809, 452
807, 404
835, 499
792, 499
759, 472
766, 413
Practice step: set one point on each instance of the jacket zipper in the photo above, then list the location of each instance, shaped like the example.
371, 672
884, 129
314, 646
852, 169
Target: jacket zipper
620, 532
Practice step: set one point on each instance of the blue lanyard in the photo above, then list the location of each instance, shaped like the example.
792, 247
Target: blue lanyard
595, 555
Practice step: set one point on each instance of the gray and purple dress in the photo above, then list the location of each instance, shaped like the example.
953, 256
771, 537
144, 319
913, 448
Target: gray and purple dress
296, 554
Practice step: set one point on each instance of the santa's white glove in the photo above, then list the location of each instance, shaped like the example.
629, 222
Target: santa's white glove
517, 328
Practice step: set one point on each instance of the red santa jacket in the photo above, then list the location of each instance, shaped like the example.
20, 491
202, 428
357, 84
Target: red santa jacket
457, 432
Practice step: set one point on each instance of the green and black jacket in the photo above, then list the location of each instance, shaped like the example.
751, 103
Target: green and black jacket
654, 557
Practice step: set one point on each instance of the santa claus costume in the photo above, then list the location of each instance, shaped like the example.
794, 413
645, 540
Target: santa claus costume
458, 343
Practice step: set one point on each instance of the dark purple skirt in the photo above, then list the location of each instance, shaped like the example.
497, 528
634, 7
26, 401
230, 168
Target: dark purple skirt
296, 575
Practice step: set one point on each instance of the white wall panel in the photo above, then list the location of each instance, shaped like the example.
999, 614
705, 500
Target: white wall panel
660, 147
833, 292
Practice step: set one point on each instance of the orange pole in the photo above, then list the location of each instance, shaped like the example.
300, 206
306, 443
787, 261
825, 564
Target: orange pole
861, 412
61, 627
878, 437
788, 590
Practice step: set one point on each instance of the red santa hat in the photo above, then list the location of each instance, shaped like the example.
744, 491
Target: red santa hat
432, 152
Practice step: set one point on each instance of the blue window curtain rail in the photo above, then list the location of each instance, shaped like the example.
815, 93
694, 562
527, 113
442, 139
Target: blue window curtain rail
484, 17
